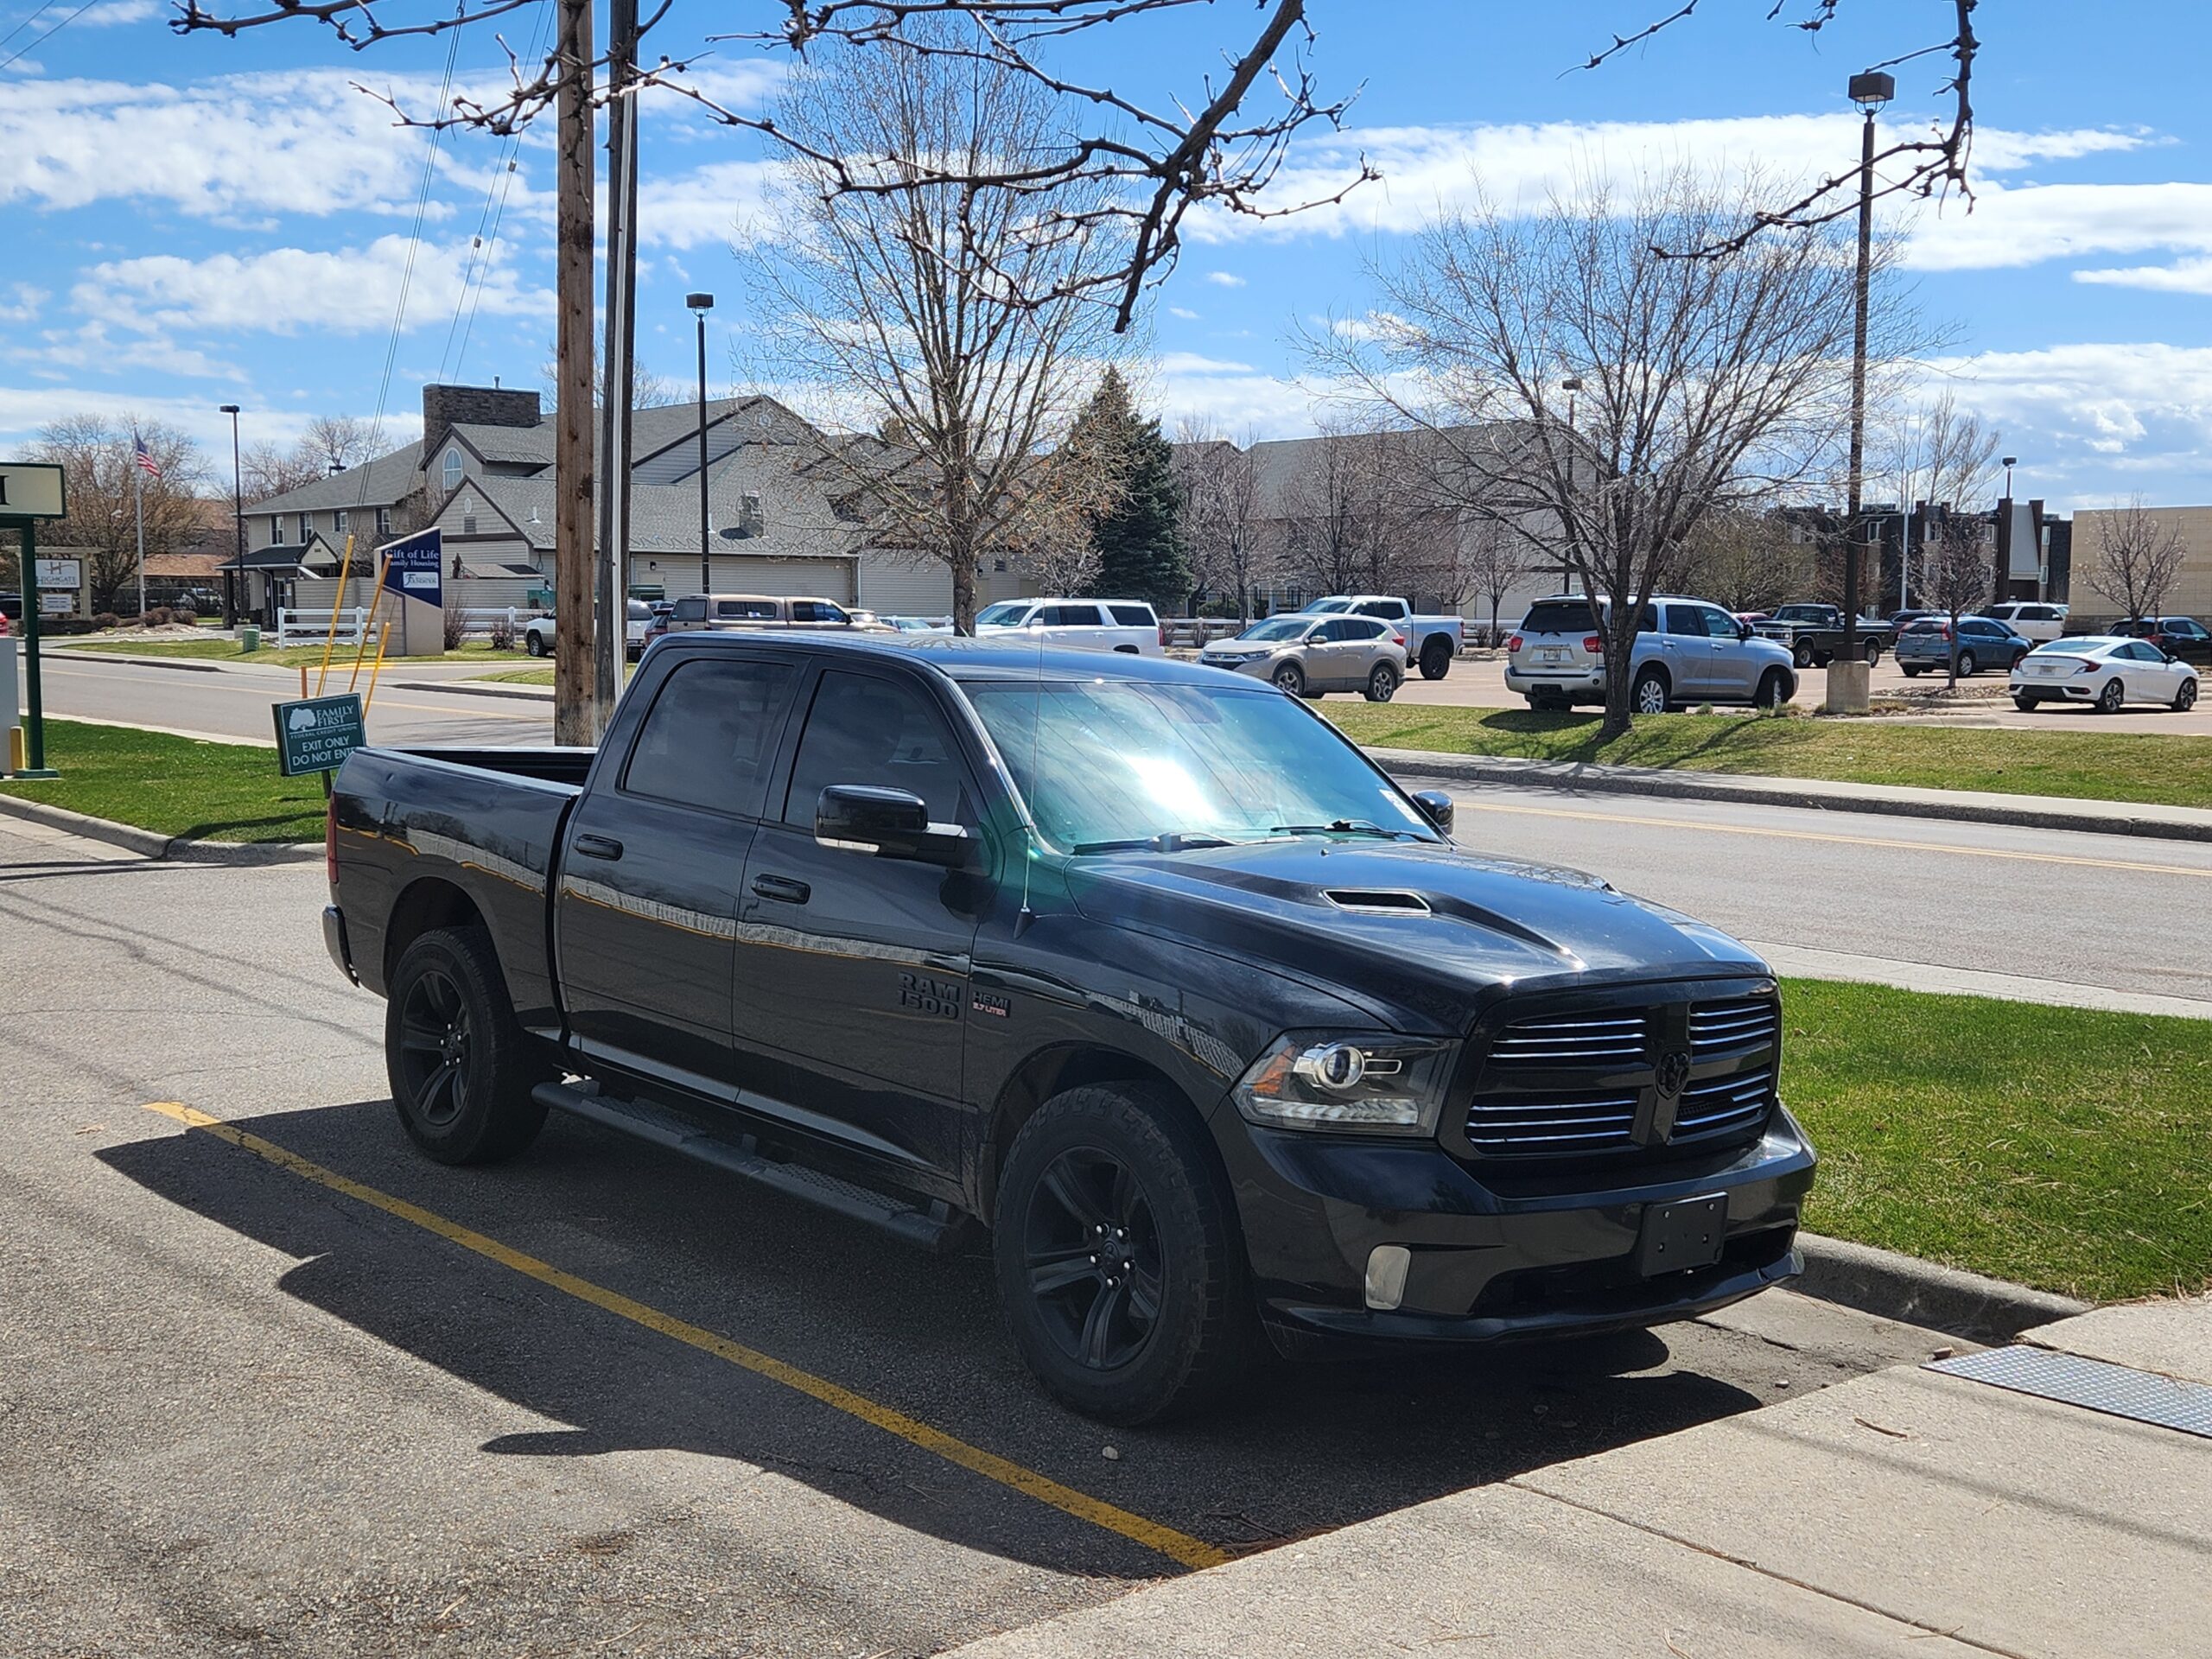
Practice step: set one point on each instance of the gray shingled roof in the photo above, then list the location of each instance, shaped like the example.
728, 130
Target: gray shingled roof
375, 483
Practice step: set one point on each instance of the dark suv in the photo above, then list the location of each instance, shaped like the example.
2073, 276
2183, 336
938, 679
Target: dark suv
1140, 966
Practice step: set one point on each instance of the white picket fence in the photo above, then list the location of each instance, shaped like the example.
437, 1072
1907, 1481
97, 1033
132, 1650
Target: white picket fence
311, 627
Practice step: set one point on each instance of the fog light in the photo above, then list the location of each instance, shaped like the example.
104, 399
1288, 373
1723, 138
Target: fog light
1386, 1265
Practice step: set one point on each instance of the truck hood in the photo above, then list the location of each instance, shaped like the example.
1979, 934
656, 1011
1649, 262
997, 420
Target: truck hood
1421, 934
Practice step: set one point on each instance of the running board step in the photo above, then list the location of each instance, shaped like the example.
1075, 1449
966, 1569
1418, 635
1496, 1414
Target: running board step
931, 1224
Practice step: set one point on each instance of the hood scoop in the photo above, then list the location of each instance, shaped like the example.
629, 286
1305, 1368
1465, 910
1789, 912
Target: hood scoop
1368, 901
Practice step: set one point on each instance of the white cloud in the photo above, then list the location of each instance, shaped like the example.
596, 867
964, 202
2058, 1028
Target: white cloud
1183, 313
1224, 279
1192, 363
2026, 225
707, 207
2182, 277
23, 302
92, 346
114, 13
283, 290
24, 409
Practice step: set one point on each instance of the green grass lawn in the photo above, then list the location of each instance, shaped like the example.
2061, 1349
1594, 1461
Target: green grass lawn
2059, 1147
175, 785
225, 650
2088, 766
542, 675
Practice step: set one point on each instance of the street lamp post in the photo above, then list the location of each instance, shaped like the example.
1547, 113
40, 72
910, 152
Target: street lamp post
2009, 462
1847, 674
701, 304
237, 515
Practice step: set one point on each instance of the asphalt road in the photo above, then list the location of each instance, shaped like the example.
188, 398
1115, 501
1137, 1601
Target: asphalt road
597, 1400
235, 702
2121, 911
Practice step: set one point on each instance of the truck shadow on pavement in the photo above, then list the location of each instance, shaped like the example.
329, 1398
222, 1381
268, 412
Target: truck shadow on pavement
1300, 1448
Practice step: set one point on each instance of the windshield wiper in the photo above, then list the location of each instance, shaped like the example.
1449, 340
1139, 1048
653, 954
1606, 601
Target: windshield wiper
1168, 841
1344, 827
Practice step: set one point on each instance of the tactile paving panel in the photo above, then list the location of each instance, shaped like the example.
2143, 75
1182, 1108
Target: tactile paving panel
2140, 1397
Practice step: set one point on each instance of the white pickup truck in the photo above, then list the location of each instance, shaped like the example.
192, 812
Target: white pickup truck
1431, 641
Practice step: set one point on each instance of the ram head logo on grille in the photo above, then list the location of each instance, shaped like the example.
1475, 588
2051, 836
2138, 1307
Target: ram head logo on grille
1674, 1073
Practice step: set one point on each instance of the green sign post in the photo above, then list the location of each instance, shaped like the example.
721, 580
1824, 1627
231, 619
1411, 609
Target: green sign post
317, 733
31, 493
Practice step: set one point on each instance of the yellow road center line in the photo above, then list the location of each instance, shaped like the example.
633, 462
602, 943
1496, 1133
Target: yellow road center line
1841, 840
1176, 1546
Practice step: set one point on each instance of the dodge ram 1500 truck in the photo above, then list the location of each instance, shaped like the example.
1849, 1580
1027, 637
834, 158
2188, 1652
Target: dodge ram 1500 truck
1137, 965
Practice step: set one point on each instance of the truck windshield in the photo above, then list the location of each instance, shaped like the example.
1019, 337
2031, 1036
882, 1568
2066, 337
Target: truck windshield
1107, 763
1006, 613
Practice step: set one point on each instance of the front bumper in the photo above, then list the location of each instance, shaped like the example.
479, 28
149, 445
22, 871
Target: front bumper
1510, 1257
1256, 665
335, 942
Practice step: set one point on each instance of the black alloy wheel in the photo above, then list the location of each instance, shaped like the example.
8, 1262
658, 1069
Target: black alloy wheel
1094, 1258
1435, 659
435, 1036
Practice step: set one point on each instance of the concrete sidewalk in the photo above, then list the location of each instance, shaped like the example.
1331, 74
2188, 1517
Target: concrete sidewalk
1957, 806
1908, 1512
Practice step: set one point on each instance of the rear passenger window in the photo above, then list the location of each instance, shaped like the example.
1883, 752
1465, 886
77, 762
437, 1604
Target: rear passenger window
747, 610
1558, 616
710, 737
864, 730
1687, 620
1133, 616
1072, 616
816, 610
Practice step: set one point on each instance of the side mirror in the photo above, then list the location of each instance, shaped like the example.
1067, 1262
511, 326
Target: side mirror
887, 824
1436, 806
1744, 631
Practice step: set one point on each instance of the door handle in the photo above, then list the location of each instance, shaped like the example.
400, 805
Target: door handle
599, 847
782, 888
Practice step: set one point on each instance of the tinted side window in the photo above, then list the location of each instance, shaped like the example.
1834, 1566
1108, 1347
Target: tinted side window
1072, 616
690, 610
1687, 620
1381, 608
711, 736
818, 610
1133, 616
1368, 628
751, 610
1560, 616
864, 730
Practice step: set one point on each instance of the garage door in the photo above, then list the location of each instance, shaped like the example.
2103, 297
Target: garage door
903, 589
814, 578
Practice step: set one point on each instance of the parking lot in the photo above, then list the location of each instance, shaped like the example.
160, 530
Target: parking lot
278, 1384
1480, 683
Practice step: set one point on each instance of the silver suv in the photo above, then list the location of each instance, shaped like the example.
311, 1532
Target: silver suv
1687, 652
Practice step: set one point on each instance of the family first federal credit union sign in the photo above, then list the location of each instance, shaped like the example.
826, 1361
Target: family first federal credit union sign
317, 733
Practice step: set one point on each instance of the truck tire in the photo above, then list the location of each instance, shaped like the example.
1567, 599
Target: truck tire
1802, 654
1435, 658
1648, 695
1873, 653
534, 643
1382, 684
462, 1070
1120, 1269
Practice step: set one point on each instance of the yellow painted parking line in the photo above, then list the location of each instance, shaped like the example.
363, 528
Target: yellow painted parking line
1177, 1546
1841, 840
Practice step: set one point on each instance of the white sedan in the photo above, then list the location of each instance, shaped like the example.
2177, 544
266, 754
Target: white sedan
2107, 672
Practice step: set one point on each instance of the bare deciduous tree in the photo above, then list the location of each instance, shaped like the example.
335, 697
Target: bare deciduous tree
267, 470
1746, 558
1955, 573
1938, 454
2137, 558
105, 487
1494, 557
1220, 484
1701, 382
919, 310
1357, 516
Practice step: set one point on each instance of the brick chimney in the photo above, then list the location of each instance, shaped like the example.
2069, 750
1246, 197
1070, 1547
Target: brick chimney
446, 407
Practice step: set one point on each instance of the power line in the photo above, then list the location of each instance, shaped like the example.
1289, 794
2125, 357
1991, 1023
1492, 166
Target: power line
26, 23
49, 34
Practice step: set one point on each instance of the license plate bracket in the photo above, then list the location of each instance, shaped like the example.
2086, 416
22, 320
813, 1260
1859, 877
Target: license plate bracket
1552, 654
1678, 1236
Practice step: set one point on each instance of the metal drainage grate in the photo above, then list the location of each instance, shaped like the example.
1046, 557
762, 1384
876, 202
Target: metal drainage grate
2139, 1397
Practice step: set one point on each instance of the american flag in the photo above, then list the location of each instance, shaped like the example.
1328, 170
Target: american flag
147, 464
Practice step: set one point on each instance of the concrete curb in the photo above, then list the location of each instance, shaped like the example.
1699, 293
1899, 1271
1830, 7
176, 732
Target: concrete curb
175, 849
470, 688
192, 664
2034, 812
1922, 1292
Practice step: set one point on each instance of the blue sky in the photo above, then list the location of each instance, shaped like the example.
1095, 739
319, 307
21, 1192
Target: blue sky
198, 221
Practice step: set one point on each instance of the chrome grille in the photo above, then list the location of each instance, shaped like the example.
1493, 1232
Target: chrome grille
1719, 1104
1597, 1041
1718, 1028
1539, 1124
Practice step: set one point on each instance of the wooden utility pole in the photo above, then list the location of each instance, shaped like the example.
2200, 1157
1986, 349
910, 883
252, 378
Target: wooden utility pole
573, 707
621, 342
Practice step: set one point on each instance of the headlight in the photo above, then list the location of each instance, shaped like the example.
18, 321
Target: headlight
1361, 1083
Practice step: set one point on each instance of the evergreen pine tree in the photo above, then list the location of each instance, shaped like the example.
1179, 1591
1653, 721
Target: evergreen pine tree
1140, 544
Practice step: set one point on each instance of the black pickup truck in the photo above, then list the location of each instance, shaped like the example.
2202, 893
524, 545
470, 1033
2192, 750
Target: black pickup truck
1814, 634
1138, 967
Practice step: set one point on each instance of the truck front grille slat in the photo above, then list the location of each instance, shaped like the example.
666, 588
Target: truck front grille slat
1574, 1041
1537, 1124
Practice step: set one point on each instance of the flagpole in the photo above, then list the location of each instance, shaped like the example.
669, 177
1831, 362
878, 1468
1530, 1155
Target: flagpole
138, 498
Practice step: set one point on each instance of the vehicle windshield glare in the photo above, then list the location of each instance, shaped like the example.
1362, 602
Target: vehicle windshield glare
1124, 762
1328, 607
2074, 648
1006, 613
1278, 627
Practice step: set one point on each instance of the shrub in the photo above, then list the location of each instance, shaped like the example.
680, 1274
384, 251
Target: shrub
107, 620
156, 617
184, 611
503, 633
455, 626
